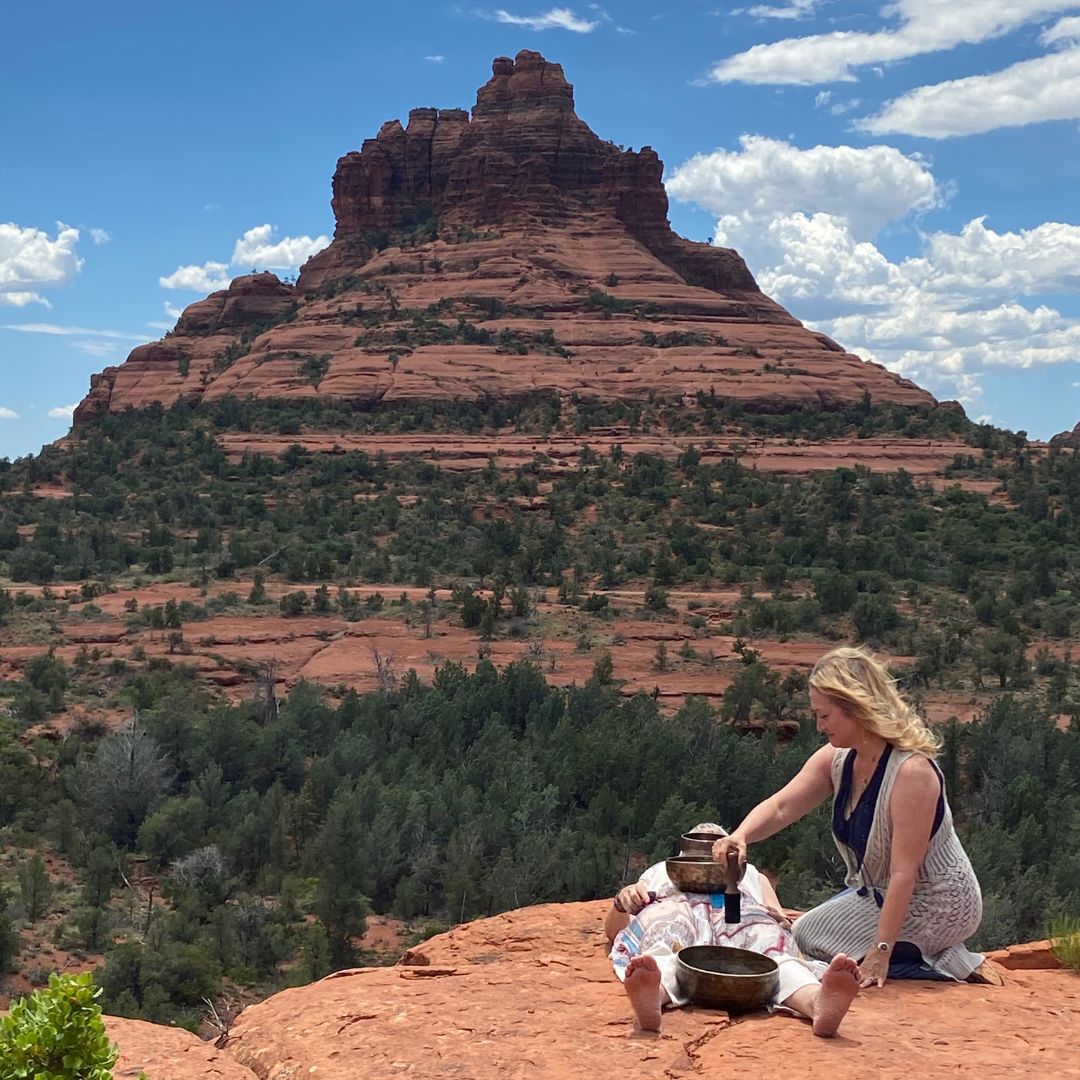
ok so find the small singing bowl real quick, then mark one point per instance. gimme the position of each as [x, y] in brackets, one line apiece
[692, 873]
[698, 843]
[725, 978]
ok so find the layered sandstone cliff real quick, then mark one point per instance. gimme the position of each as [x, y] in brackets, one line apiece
[493, 255]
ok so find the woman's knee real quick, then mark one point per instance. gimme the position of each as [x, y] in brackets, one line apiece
[807, 931]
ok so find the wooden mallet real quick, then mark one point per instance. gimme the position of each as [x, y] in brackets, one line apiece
[732, 899]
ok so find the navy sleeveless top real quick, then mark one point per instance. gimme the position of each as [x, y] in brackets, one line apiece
[854, 831]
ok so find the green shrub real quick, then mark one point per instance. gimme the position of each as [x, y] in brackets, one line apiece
[1065, 942]
[57, 1034]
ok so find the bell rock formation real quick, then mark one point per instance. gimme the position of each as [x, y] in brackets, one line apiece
[491, 255]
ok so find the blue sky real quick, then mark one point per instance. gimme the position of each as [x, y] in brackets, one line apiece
[903, 176]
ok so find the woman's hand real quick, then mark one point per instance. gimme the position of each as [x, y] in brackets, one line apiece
[632, 898]
[874, 969]
[730, 843]
[779, 917]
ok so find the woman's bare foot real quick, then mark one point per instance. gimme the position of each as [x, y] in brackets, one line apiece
[839, 985]
[643, 990]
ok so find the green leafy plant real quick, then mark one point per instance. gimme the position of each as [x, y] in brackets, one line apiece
[1065, 942]
[57, 1034]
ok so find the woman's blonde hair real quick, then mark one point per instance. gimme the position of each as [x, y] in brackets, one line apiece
[861, 686]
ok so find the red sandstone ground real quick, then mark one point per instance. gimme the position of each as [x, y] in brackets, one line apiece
[530, 993]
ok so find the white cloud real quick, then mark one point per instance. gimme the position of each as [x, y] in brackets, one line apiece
[1032, 262]
[173, 311]
[30, 260]
[257, 247]
[940, 318]
[102, 350]
[159, 325]
[100, 236]
[822, 98]
[796, 9]
[555, 19]
[8, 414]
[943, 316]
[925, 26]
[209, 277]
[63, 412]
[1029, 92]
[21, 299]
[1064, 30]
[767, 178]
[67, 331]
[816, 259]
[435, 59]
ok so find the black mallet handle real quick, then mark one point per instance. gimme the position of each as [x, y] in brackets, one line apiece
[732, 899]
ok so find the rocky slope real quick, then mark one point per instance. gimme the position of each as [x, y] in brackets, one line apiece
[530, 993]
[488, 257]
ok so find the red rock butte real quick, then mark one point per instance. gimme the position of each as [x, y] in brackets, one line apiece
[492, 256]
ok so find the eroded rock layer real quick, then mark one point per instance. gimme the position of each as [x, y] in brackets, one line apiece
[490, 256]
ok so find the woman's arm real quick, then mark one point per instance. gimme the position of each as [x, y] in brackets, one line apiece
[626, 903]
[912, 809]
[810, 787]
[772, 902]
[768, 893]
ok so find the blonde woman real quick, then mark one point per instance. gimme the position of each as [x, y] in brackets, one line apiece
[910, 882]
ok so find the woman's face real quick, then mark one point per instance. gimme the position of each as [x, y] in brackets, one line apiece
[838, 726]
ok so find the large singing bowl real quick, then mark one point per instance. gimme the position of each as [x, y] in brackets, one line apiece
[725, 978]
[696, 873]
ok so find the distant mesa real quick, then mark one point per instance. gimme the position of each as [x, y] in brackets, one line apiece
[491, 255]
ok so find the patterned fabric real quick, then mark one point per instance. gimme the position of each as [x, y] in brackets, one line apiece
[677, 920]
[945, 908]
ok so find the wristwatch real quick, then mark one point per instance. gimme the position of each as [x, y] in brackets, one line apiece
[883, 947]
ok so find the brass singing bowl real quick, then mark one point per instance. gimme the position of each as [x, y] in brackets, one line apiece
[692, 873]
[698, 843]
[726, 978]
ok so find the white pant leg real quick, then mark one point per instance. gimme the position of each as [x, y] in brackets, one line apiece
[794, 975]
[667, 962]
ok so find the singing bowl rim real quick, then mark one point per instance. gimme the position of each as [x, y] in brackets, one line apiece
[691, 842]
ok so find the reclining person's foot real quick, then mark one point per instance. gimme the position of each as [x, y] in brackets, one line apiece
[643, 990]
[839, 985]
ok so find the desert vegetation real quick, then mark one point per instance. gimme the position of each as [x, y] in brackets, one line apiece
[191, 838]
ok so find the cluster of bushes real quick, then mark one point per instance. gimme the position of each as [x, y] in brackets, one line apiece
[481, 792]
[841, 552]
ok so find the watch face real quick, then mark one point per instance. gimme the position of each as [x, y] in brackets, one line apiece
[883, 946]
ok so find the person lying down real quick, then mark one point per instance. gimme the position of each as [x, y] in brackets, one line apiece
[651, 920]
